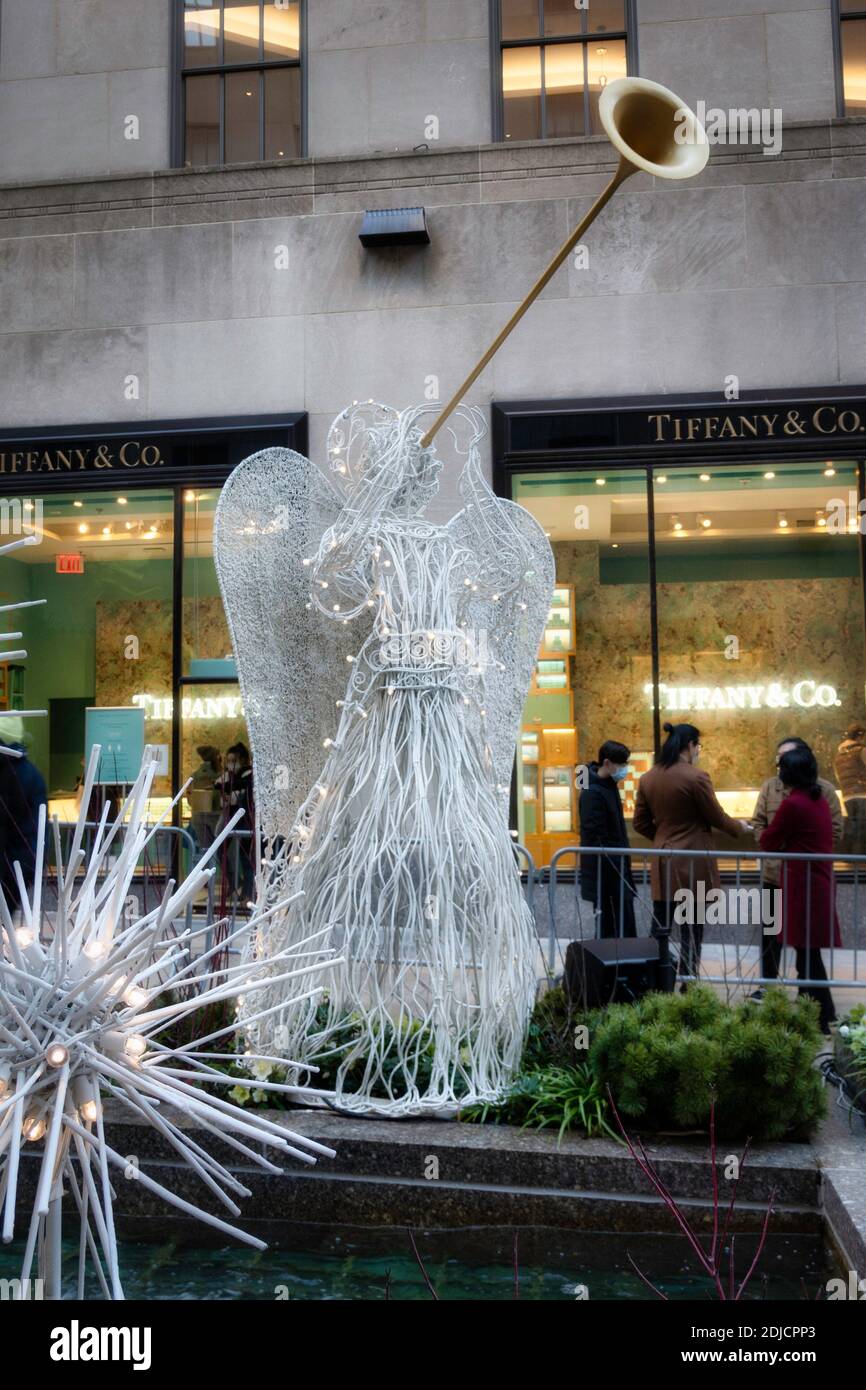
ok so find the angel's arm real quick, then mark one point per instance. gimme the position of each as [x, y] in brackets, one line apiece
[502, 553]
[344, 570]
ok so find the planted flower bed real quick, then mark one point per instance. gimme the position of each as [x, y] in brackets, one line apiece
[851, 1057]
[664, 1059]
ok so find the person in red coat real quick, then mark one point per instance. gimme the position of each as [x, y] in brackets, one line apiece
[803, 825]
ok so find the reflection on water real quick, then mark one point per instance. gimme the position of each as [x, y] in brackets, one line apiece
[464, 1264]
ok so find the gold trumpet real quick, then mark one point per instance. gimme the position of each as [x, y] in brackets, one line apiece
[652, 130]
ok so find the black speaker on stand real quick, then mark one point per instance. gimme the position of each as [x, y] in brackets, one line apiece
[615, 970]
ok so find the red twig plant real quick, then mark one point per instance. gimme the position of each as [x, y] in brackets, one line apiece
[711, 1261]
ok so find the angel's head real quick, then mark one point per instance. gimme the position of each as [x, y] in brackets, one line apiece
[372, 445]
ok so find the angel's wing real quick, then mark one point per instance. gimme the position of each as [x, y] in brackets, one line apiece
[509, 609]
[291, 660]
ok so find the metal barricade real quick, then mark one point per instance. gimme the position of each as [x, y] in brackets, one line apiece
[745, 905]
[154, 868]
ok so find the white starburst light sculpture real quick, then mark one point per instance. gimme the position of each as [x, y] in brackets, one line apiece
[80, 1020]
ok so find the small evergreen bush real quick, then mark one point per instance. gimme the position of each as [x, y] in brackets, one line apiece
[667, 1055]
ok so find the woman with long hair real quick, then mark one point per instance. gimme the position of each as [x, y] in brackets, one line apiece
[235, 787]
[803, 825]
[677, 809]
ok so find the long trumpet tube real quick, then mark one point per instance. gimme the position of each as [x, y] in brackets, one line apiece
[624, 169]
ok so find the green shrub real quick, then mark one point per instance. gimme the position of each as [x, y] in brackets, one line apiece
[667, 1055]
[851, 1056]
[550, 1038]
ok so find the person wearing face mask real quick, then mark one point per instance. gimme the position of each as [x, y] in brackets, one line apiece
[606, 879]
[676, 808]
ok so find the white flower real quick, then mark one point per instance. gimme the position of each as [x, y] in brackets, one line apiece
[262, 1070]
[844, 1030]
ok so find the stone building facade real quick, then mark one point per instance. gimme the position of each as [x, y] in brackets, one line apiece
[114, 265]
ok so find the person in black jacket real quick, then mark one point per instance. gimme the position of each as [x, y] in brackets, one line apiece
[606, 880]
[22, 792]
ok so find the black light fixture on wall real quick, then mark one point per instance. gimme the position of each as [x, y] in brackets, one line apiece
[394, 227]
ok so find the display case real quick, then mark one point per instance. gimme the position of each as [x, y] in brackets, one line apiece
[559, 629]
[550, 675]
[529, 784]
[640, 761]
[558, 799]
[548, 807]
[559, 745]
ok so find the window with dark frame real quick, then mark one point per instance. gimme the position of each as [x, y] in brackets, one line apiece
[240, 78]
[852, 57]
[556, 57]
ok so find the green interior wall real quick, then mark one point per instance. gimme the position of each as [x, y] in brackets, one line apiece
[60, 636]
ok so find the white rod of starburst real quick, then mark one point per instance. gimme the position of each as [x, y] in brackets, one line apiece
[77, 1021]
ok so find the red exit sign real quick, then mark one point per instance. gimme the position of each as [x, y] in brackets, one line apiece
[69, 564]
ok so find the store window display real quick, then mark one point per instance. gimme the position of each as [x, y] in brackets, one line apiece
[758, 635]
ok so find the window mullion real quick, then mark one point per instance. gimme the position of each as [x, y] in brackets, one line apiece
[261, 113]
[222, 119]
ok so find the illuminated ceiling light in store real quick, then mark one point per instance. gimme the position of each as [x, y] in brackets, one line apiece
[822, 521]
[83, 528]
[615, 545]
[189, 496]
[76, 503]
[662, 478]
[769, 475]
[600, 482]
[130, 525]
[106, 530]
[706, 522]
[677, 524]
[783, 522]
[829, 471]
[28, 506]
[705, 477]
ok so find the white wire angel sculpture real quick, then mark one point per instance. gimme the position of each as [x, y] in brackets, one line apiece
[383, 764]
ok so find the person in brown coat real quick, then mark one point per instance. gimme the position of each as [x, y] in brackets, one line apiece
[850, 769]
[677, 809]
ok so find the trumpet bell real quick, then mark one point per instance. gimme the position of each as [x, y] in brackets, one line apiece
[652, 129]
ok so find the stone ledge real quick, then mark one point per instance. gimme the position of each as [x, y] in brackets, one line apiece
[557, 168]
